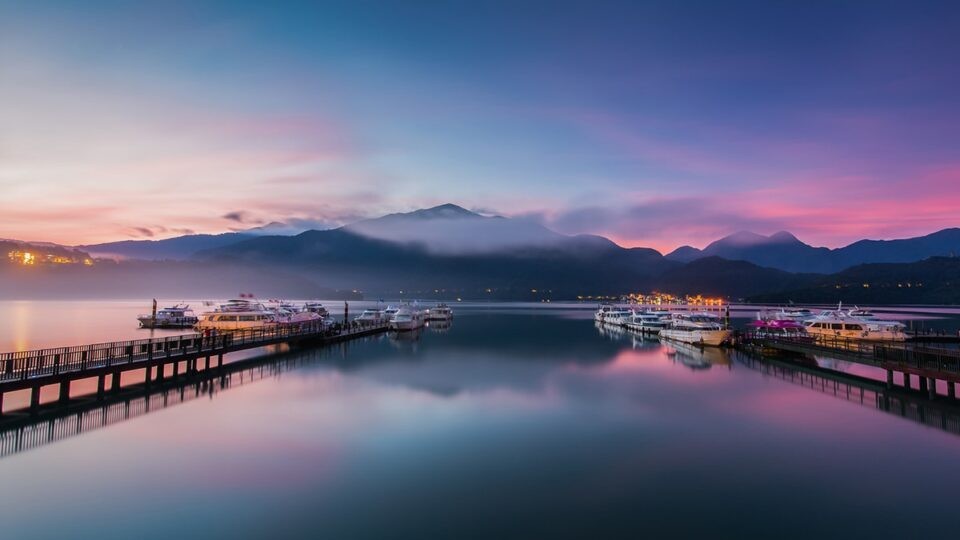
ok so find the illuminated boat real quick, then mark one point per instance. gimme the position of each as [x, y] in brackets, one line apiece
[618, 316]
[440, 312]
[779, 329]
[389, 313]
[696, 328]
[238, 314]
[839, 324]
[648, 321]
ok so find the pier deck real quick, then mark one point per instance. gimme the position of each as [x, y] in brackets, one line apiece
[36, 369]
[929, 364]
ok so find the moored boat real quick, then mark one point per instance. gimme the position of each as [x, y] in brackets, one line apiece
[440, 312]
[696, 328]
[648, 322]
[238, 314]
[370, 316]
[839, 324]
[615, 315]
[779, 329]
[177, 316]
[407, 318]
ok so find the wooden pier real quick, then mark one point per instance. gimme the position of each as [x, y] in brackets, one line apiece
[161, 358]
[927, 364]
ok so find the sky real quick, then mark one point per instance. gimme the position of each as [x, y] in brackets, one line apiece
[653, 123]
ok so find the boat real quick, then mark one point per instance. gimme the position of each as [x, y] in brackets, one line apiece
[839, 324]
[647, 321]
[780, 329]
[316, 307]
[697, 328]
[407, 318]
[608, 314]
[862, 313]
[238, 314]
[178, 316]
[370, 316]
[797, 314]
[389, 313]
[440, 312]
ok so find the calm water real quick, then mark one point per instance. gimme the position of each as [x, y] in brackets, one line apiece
[514, 422]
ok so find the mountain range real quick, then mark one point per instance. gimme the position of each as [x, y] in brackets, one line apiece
[784, 251]
[448, 251]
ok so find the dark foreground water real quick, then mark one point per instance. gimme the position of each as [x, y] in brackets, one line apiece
[513, 423]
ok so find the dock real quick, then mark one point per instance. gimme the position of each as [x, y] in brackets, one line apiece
[159, 358]
[927, 364]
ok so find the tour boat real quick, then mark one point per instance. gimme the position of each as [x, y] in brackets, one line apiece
[647, 321]
[238, 314]
[407, 318]
[797, 314]
[841, 325]
[316, 307]
[779, 328]
[440, 312]
[389, 313]
[862, 313]
[178, 316]
[619, 316]
[696, 328]
[370, 316]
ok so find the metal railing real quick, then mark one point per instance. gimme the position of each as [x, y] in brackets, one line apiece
[24, 365]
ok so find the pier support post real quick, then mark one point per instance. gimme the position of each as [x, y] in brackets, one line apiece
[219, 360]
[889, 378]
[64, 391]
[160, 368]
[115, 382]
[932, 387]
[34, 398]
[1, 403]
[906, 380]
[951, 390]
[923, 384]
[176, 369]
[101, 385]
[206, 364]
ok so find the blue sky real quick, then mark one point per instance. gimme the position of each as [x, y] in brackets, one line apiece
[654, 123]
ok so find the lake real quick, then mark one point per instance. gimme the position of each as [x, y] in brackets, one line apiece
[518, 421]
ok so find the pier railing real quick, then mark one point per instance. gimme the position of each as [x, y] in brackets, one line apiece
[886, 353]
[22, 365]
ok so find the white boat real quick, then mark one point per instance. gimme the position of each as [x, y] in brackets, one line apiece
[370, 316]
[618, 316]
[316, 307]
[407, 318]
[389, 313]
[178, 316]
[839, 324]
[440, 312]
[794, 314]
[696, 328]
[861, 313]
[238, 314]
[646, 321]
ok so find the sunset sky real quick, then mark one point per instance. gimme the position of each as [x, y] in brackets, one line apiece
[653, 123]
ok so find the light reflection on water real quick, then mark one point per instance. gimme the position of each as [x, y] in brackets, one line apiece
[512, 422]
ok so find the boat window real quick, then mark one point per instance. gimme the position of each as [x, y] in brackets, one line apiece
[836, 326]
[854, 327]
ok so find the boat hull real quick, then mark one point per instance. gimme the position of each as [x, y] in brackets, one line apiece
[406, 326]
[713, 338]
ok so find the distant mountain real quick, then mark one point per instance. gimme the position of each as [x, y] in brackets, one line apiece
[415, 252]
[931, 281]
[175, 249]
[737, 279]
[784, 251]
[449, 228]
